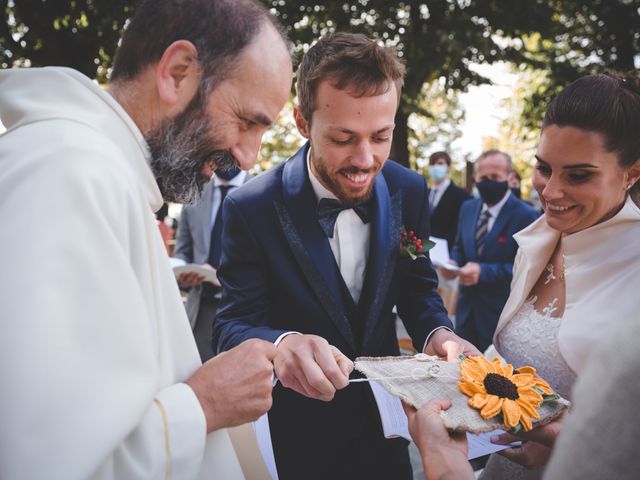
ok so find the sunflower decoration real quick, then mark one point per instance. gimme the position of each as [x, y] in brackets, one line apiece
[497, 389]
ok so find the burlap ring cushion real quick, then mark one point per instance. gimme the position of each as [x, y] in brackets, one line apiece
[420, 378]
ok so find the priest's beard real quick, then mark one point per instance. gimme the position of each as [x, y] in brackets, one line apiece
[180, 147]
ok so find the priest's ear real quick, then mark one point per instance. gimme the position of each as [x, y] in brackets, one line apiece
[303, 125]
[178, 76]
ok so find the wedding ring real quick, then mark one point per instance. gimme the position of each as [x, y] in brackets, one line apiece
[422, 357]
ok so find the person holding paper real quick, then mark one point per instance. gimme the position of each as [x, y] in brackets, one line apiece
[311, 261]
[445, 199]
[485, 249]
[101, 377]
[198, 240]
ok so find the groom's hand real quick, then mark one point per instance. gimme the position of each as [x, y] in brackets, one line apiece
[445, 343]
[234, 387]
[311, 367]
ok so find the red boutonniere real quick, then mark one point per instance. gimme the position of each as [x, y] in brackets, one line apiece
[412, 246]
[502, 239]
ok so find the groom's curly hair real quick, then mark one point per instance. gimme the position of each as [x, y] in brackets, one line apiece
[350, 62]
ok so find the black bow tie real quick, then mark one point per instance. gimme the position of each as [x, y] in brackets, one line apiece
[329, 209]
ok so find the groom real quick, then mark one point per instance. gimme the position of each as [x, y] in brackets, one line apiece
[311, 261]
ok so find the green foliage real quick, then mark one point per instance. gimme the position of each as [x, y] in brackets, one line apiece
[280, 142]
[581, 38]
[435, 124]
[515, 135]
[82, 34]
[438, 40]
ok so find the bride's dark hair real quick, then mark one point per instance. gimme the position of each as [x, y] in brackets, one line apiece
[608, 104]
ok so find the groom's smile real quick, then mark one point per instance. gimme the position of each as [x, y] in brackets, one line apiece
[350, 138]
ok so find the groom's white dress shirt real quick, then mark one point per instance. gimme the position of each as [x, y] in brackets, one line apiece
[350, 241]
[350, 246]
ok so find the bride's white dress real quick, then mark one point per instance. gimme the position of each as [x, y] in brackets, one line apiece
[531, 338]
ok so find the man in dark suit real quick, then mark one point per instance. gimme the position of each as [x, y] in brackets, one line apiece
[311, 261]
[485, 248]
[198, 240]
[445, 198]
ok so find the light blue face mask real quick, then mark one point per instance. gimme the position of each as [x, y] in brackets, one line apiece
[438, 172]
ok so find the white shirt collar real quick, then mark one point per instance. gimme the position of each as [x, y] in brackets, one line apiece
[234, 182]
[443, 186]
[320, 190]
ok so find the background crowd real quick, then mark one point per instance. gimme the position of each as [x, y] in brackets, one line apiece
[294, 267]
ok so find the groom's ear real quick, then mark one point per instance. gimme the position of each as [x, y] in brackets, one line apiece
[303, 126]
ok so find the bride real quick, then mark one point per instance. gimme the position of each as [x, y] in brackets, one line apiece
[576, 271]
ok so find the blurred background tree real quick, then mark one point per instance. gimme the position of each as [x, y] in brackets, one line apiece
[438, 40]
[582, 38]
[549, 42]
[81, 34]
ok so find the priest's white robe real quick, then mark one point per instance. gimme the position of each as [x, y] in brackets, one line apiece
[95, 341]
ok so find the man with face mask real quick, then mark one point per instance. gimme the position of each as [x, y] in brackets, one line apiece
[445, 198]
[101, 375]
[198, 240]
[485, 248]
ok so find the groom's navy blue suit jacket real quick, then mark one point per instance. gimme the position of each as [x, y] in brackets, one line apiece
[279, 274]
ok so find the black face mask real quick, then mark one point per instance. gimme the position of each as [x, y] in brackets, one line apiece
[491, 191]
[516, 192]
[228, 173]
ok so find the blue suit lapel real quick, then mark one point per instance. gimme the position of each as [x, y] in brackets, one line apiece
[308, 242]
[386, 228]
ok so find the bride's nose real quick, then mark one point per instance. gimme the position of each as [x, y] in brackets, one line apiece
[552, 190]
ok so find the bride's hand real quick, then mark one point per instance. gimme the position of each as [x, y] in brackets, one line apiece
[545, 434]
[530, 454]
[536, 447]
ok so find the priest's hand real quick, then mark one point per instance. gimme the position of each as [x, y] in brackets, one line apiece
[234, 387]
[311, 367]
[445, 343]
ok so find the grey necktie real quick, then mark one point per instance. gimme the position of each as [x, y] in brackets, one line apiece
[432, 197]
[481, 230]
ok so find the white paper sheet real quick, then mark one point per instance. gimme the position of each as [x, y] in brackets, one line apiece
[263, 435]
[180, 266]
[394, 424]
[394, 420]
[480, 445]
[439, 254]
